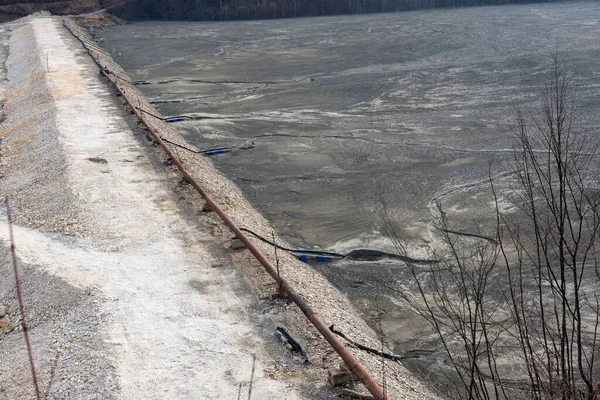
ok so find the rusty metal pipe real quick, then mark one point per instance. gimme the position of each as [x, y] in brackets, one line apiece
[318, 323]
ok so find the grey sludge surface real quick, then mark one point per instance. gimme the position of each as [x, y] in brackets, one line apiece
[415, 103]
[343, 110]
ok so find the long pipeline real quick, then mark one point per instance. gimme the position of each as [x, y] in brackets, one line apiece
[352, 363]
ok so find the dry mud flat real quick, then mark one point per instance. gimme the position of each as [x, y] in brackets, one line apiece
[132, 292]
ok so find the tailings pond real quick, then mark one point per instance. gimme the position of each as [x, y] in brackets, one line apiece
[327, 115]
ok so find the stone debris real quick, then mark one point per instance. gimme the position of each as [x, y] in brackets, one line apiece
[352, 394]
[6, 327]
[340, 375]
[237, 244]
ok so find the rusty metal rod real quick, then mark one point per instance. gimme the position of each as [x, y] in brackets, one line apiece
[24, 323]
[337, 345]
[252, 377]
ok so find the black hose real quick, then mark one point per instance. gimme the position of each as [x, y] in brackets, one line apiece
[176, 118]
[295, 346]
[119, 77]
[354, 255]
[315, 252]
[135, 83]
[380, 353]
[151, 114]
[215, 150]
[165, 101]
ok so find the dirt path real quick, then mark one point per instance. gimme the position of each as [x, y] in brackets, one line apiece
[177, 329]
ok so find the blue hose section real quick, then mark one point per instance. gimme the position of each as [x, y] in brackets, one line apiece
[303, 255]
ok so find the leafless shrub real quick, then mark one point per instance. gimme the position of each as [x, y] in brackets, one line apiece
[543, 313]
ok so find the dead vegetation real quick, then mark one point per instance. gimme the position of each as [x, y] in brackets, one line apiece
[516, 312]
